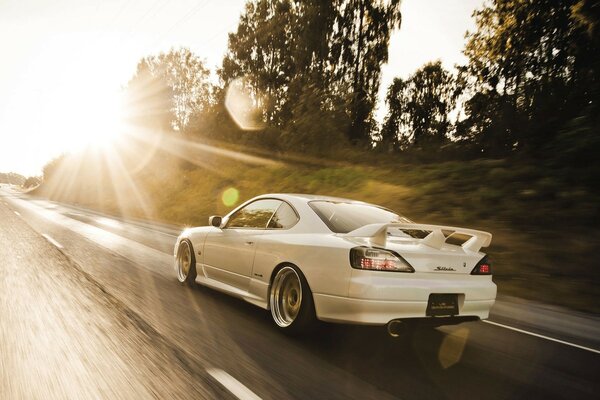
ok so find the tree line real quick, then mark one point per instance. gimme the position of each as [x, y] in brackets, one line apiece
[312, 70]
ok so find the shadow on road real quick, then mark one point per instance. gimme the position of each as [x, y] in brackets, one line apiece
[430, 364]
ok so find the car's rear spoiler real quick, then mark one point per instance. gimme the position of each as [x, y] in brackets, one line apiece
[376, 235]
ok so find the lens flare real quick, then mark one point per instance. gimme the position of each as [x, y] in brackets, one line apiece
[243, 106]
[230, 196]
[452, 348]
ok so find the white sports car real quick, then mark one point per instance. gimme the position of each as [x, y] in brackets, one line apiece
[306, 257]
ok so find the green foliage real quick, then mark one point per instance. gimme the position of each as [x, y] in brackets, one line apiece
[167, 90]
[188, 79]
[577, 144]
[150, 102]
[336, 49]
[419, 108]
[530, 65]
[313, 68]
[530, 88]
[261, 52]
[317, 123]
[359, 48]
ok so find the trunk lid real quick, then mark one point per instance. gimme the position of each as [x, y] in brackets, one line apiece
[449, 259]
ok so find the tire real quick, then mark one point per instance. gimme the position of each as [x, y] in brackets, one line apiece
[186, 263]
[291, 301]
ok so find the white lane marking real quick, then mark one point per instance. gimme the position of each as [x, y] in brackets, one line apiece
[233, 385]
[17, 213]
[52, 241]
[542, 336]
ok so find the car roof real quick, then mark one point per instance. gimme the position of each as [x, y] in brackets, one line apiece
[310, 197]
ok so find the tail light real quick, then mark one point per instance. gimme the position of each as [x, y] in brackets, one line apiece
[483, 267]
[378, 260]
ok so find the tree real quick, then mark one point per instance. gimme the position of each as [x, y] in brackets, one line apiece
[391, 136]
[314, 113]
[586, 17]
[54, 168]
[419, 108]
[149, 99]
[532, 61]
[168, 89]
[359, 47]
[188, 79]
[261, 53]
[283, 47]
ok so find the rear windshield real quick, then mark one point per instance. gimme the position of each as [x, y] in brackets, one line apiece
[343, 217]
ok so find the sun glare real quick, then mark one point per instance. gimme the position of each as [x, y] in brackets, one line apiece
[61, 103]
[83, 118]
[96, 122]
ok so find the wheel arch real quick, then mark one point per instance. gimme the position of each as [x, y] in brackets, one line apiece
[189, 242]
[274, 272]
[190, 275]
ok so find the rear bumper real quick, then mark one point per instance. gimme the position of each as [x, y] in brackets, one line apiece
[377, 298]
[380, 312]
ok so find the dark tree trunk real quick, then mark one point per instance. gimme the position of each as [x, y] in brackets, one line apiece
[356, 133]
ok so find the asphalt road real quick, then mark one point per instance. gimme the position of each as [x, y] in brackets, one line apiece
[90, 308]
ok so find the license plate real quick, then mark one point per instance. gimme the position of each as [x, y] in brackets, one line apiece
[442, 305]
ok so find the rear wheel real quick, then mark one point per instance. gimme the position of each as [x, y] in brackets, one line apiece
[291, 301]
[186, 263]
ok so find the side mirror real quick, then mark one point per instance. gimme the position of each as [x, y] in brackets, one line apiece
[215, 221]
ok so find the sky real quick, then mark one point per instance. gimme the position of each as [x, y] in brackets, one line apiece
[64, 62]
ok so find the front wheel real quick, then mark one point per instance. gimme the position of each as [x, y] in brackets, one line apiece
[186, 263]
[291, 301]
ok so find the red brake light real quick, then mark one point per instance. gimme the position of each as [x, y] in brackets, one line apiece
[378, 260]
[483, 267]
[369, 263]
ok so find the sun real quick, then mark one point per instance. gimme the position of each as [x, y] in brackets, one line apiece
[65, 101]
[77, 118]
[98, 121]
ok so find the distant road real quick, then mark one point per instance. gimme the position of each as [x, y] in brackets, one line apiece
[90, 308]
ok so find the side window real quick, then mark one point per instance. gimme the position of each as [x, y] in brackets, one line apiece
[255, 215]
[284, 218]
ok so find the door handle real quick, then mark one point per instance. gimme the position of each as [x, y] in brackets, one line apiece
[249, 243]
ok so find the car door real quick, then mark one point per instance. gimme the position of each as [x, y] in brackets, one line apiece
[229, 253]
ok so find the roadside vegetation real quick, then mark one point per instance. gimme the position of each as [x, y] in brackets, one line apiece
[11, 178]
[507, 143]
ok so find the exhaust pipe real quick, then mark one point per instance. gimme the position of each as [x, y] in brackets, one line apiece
[395, 328]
